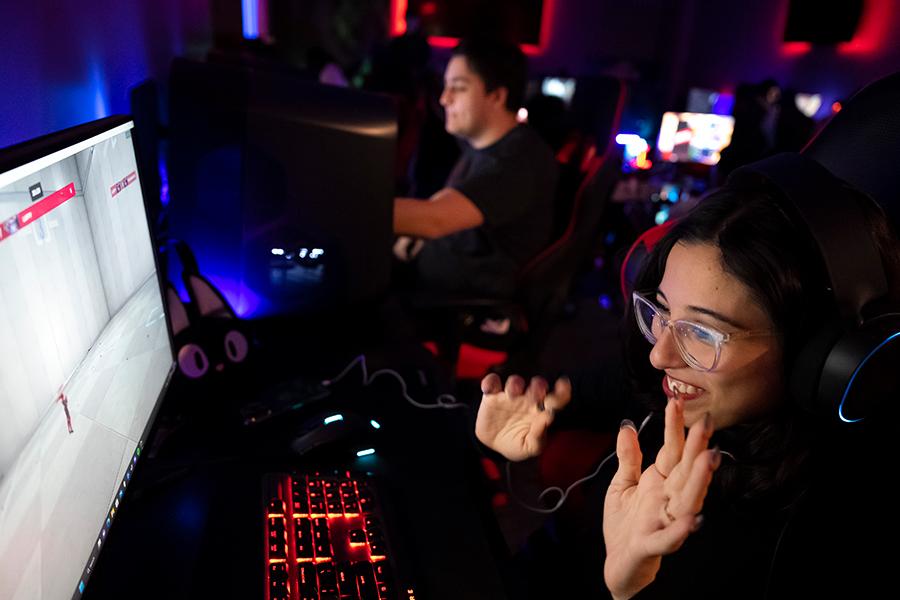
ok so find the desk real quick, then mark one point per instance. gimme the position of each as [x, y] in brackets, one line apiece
[193, 526]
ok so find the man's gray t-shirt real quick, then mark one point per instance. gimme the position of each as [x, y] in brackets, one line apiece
[512, 182]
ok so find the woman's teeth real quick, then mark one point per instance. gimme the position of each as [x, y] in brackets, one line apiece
[681, 387]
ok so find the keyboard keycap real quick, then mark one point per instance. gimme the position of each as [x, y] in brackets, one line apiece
[306, 578]
[303, 540]
[357, 536]
[276, 506]
[278, 581]
[365, 580]
[276, 538]
[328, 586]
[346, 581]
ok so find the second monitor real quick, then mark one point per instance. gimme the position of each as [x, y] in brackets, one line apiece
[282, 187]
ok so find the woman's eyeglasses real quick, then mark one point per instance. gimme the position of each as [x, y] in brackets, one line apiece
[699, 345]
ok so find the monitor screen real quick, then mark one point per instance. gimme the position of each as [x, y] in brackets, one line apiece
[560, 87]
[701, 100]
[694, 137]
[85, 351]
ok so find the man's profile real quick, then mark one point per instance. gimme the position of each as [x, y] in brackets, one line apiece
[495, 211]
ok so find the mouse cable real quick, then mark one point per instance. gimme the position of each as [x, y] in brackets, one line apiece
[442, 401]
[563, 494]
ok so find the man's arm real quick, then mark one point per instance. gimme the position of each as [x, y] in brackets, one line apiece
[446, 212]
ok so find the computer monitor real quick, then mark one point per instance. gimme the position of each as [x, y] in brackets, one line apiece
[559, 87]
[701, 100]
[85, 351]
[282, 187]
[694, 137]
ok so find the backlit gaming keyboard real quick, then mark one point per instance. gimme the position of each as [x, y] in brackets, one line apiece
[325, 540]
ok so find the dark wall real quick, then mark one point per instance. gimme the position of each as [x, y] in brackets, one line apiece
[715, 44]
[64, 62]
[733, 42]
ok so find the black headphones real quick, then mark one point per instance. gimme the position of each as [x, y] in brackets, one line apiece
[853, 360]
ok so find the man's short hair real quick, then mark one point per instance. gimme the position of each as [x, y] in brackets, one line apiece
[499, 64]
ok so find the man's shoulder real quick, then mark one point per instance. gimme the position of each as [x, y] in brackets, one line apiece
[523, 143]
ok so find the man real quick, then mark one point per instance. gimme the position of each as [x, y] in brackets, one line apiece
[495, 212]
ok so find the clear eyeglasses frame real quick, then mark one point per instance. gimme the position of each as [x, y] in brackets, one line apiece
[699, 345]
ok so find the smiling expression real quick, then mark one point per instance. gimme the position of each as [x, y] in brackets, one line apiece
[748, 380]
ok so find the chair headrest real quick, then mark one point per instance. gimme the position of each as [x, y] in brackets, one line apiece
[861, 143]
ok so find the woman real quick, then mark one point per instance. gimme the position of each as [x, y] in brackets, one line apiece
[726, 300]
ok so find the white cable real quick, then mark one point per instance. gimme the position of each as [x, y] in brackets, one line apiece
[563, 493]
[442, 401]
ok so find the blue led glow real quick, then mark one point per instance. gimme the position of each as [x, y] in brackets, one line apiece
[375, 424]
[333, 418]
[662, 216]
[250, 17]
[366, 452]
[855, 373]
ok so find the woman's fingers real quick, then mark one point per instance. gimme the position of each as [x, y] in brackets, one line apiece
[629, 454]
[537, 391]
[673, 444]
[690, 500]
[562, 393]
[697, 441]
[491, 384]
[515, 386]
[670, 538]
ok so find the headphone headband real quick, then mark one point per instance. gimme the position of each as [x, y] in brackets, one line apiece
[830, 210]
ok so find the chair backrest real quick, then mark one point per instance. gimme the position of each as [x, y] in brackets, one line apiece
[544, 282]
[634, 259]
[861, 143]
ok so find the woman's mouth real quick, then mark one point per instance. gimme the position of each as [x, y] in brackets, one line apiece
[674, 388]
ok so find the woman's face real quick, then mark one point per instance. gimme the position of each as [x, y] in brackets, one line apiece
[747, 382]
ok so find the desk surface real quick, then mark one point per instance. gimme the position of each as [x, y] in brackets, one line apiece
[193, 526]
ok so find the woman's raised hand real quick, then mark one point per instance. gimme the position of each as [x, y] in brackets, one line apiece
[648, 515]
[513, 419]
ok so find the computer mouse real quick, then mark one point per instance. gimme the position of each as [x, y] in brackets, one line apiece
[339, 434]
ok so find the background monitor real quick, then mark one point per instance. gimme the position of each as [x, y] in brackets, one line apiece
[694, 137]
[85, 351]
[559, 87]
[701, 100]
[808, 104]
[282, 187]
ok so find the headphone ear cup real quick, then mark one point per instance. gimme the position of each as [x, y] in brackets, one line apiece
[862, 368]
[806, 371]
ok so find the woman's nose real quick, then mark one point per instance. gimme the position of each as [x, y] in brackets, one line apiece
[665, 354]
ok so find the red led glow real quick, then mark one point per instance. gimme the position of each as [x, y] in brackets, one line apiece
[872, 29]
[795, 48]
[398, 17]
[398, 25]
[428, 9]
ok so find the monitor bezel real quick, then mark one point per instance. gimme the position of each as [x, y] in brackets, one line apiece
[29, 151]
